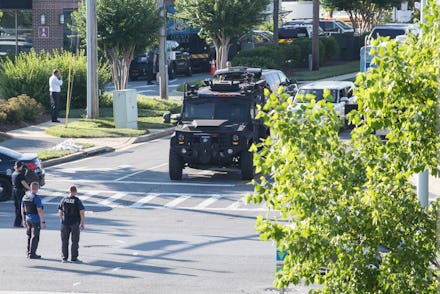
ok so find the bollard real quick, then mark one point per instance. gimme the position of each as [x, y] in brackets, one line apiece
[310, 62]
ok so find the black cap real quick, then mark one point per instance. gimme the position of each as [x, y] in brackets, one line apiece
[19, 163]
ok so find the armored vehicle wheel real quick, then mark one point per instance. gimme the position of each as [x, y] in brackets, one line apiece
[175, 166]
[5, 189]
[247, 165]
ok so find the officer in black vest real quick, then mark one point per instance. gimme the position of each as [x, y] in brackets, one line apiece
[32, 213]
[71, 211]
[19, 187]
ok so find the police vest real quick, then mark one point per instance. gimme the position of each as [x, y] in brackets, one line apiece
[29, 203]
[70, 208]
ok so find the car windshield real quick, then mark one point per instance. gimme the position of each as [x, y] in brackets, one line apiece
[304, 95]
[344, 25]
[392, 33]
[9, 152]
[216, 109]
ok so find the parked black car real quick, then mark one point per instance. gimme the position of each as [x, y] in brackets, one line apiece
[34, 171]
[146, 65]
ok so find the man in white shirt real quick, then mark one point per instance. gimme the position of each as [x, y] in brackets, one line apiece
[55, 82]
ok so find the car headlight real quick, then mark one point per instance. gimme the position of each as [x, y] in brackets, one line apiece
[235, 139]
[181, 139]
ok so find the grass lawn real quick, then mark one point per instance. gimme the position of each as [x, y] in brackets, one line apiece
[52, 153]
[150, 111]
[326, 71]
[93, 128]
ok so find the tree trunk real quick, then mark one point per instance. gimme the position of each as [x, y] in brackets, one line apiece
[120, 62]
[221, 43]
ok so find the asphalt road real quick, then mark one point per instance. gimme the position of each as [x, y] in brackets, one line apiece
[153, 90]
[144, 233]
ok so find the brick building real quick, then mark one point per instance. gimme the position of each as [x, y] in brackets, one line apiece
[38, 24]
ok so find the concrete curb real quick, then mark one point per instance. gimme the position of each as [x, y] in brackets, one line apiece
[153, 136]
[78, 155]
[99, 150]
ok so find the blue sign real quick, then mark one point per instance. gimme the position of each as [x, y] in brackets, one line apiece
[280, 259]
[281, 255]
[366, 58]
[178, 26]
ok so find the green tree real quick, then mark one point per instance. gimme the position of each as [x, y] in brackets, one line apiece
[341, 202]
[364, 14]
[222, 20]
[124, 26]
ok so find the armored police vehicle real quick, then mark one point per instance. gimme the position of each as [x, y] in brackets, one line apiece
[218, 124]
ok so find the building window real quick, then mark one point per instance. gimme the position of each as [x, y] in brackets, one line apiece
[71, 39]
[15, 31]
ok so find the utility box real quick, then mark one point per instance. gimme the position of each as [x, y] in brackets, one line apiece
[125, 112]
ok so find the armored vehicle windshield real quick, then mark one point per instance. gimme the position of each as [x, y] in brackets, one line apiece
[225, 108]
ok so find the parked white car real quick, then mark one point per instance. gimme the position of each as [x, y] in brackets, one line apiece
[340, 91]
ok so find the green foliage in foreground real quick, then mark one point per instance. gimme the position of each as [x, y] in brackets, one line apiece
[341, 201]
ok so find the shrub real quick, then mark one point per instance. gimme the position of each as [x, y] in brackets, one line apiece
[29, 73]
[20, 108]
[287, 55]
[331, 48]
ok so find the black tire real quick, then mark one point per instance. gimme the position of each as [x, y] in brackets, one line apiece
[172, 72]
[5, 189]
[247, 165]
[175, 165]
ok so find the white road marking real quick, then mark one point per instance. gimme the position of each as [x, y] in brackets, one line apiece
[144, 200]
[147, 183]
[108, 201]
[235, 205]
[208, 202]
[177, 201]
[88, 169]
[141, 171]
[94, 198]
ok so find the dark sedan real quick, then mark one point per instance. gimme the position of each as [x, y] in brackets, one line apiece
[34, 171]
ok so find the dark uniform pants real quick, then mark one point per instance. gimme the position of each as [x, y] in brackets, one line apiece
[33, 234]
[66, 231]
[54, 104]
[18, 196]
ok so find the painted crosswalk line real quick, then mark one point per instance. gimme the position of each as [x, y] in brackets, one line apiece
[164, 200]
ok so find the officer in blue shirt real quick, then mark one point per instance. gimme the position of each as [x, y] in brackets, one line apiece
[33, 217]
